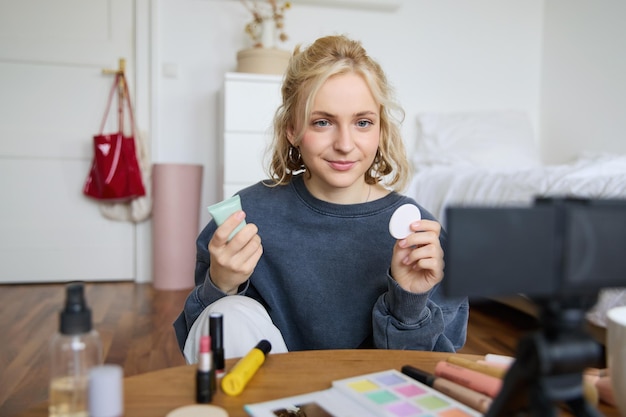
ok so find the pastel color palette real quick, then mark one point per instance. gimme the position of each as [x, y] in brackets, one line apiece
[392, 394]
[432, 402]
[389, 379]
[403, 409]
[381, 397]
[410, 390]
[363, 386]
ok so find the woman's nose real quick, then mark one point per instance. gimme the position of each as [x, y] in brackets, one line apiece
[343, 140]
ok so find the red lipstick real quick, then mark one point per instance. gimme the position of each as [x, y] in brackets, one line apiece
[205, 375]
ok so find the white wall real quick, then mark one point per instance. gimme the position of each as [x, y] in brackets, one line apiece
[584, 78]
[440, 55]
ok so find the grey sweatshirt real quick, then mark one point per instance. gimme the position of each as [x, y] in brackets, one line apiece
[324, 276]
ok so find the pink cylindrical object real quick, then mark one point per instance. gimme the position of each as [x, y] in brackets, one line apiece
[176, 191]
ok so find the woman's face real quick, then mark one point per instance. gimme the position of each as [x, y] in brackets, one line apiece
[341, 139]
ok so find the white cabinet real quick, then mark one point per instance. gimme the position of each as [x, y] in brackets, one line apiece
[249, 102]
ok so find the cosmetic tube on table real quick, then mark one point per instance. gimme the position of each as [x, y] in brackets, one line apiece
[235, 381]
[476, 400]
[483, 368]
[205, 375]
[485, 384]
[216, 331]
[501, 359]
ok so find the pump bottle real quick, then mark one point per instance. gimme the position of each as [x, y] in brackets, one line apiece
[74, 350]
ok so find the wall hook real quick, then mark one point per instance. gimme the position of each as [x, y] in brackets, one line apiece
[121, 68]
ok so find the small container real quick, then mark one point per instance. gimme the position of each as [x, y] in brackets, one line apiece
[106, 391]
[74, 350]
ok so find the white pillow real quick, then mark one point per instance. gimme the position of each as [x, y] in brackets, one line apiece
[486, 139]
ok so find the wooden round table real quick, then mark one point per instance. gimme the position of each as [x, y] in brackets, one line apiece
[155, 394]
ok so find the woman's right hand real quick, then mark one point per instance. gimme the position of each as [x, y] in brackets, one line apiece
[232, 262]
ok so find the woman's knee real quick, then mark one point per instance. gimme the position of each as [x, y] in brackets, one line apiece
[245, 323]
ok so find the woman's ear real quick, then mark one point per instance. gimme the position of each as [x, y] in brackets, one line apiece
[291, 137]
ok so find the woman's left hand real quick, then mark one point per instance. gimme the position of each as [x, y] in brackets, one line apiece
[417, 261]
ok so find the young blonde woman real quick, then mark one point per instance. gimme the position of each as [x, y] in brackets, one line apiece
[315, 267]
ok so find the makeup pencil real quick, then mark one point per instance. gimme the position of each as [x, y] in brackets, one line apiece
[477, 401]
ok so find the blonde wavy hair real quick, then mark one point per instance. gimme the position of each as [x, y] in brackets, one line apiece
[307, 71]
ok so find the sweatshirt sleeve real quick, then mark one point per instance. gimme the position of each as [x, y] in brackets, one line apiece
[205, 291]
[427, 321]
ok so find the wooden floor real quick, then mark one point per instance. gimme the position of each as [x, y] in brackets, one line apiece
[135, 324]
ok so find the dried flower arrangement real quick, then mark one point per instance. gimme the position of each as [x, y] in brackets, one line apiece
[263, 11]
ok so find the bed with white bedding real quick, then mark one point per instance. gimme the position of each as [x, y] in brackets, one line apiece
[593, 176]
[492, 159]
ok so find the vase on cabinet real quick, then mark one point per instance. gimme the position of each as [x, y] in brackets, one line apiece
[264, 57]
[263, 60]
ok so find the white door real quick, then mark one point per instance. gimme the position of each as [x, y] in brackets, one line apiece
[52, 98]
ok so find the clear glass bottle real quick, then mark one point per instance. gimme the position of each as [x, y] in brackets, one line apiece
[74, 350]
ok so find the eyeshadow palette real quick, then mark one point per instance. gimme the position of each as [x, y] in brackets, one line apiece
[393, 394]
[381, 394]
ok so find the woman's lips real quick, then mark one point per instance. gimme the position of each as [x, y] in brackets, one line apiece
[341, 165]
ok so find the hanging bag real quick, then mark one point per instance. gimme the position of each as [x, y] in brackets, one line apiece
[140, 208]
[115, 175]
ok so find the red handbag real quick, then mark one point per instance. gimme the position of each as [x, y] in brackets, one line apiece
[115, 175]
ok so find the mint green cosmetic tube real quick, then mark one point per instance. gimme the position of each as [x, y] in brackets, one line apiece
[222, 210]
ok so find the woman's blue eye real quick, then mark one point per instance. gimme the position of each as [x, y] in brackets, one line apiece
[321, 123]
[364, 123]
